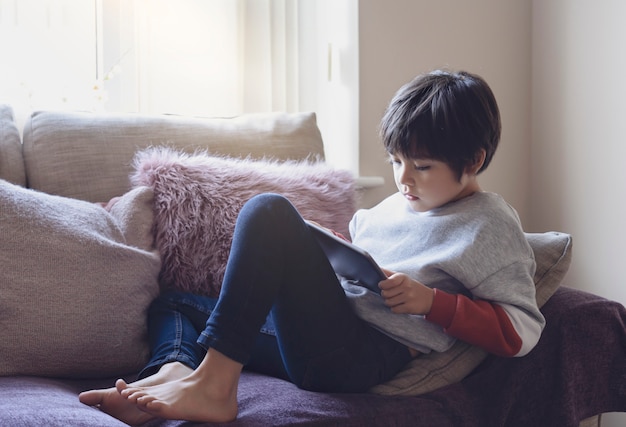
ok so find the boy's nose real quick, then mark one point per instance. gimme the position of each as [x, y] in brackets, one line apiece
[404, 177]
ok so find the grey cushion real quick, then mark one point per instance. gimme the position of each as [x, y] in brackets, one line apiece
[75, 284]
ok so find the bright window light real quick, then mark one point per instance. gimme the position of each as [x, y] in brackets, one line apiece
[192, 57]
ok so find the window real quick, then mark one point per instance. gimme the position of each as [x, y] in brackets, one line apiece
[192, 57]
[49, 60]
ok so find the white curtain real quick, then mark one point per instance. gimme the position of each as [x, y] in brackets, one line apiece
[199, 57]
[48, 55]
[192, 57]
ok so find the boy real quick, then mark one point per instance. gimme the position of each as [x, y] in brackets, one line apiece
[457, 261]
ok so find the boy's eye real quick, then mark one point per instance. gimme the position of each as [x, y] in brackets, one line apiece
[422, 168]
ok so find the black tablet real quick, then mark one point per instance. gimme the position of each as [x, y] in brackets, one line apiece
[349, 260]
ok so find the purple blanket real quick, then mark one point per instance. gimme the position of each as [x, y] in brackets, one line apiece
[577, 370]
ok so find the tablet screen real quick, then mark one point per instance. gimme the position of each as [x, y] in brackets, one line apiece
[349, 260]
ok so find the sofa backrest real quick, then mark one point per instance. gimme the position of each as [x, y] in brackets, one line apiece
[89, 156]
[11, 163]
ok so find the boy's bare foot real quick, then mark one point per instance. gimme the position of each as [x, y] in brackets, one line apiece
[206, 395]
[111, 402]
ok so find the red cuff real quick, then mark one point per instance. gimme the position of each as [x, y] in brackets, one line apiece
[443, 309]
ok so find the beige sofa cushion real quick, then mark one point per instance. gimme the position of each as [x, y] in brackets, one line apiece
[88, 156]
[75, 284]
[11, 162]
[553, 254]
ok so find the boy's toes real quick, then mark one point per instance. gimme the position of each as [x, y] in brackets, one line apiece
[121, 385]
[91, 397]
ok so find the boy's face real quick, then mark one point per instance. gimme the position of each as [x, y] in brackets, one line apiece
[428, 184]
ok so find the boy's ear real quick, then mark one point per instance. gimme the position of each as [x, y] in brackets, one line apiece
[478, 162]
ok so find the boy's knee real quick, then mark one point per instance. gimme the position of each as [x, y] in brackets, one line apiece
[268, 201]
[268, 208]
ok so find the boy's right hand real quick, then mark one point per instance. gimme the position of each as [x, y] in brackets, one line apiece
[405, 295]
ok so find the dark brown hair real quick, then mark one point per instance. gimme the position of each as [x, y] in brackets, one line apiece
[445, 116]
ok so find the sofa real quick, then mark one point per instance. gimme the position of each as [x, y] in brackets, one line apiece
[77, 277]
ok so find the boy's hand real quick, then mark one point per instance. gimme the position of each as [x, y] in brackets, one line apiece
[405, 295]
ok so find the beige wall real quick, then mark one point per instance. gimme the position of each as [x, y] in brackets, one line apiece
[578, 177]
[578, 173]
[399, 39]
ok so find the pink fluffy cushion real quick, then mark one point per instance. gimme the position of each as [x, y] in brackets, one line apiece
[197, 199]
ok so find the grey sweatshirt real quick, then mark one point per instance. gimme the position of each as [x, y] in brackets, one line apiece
[474, 247]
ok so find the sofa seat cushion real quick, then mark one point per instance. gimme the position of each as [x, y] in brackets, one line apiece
[198, 197]
[75, 284]
[36, 401]
[512, 392]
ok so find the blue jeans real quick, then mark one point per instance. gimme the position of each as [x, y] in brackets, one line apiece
[281, 311]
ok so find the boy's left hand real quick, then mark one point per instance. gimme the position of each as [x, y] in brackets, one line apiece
[405, 295]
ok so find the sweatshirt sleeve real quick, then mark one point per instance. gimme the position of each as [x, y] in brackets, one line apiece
[485, 324]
